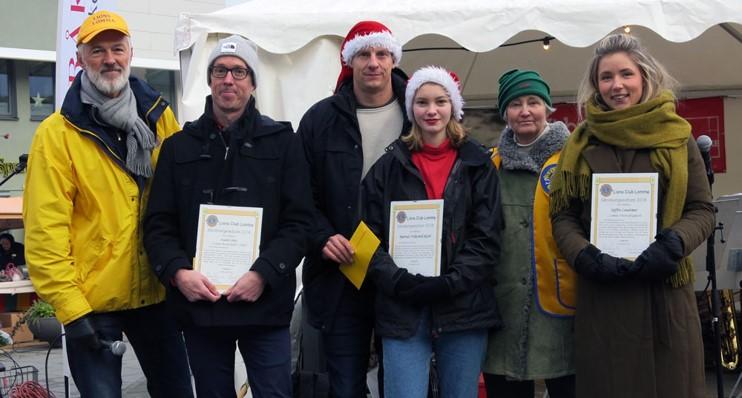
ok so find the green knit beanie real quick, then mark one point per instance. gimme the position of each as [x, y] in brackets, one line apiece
[515, 83]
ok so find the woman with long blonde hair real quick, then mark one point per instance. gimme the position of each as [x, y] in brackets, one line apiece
[637, 331]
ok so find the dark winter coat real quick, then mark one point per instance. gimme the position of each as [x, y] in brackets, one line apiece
[471, 240]
[638, 338]
[332, 144]
[264, 167]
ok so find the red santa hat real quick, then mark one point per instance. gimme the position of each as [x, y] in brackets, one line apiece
[363, 35]
[438, 75]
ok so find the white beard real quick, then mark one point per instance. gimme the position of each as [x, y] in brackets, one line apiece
[108, 87]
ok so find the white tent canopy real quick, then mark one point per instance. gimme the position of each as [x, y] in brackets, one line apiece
[299, 42]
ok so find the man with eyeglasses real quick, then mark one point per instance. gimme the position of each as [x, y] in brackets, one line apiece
[89, 174]
[232, 156]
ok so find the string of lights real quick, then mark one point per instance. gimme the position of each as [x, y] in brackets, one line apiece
[545, 42]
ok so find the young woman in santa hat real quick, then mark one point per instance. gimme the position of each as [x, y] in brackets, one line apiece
[447, 315]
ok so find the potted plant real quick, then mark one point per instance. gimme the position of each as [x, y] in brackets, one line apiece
[42, 323]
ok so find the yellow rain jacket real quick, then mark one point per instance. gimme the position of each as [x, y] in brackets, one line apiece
[82, 211]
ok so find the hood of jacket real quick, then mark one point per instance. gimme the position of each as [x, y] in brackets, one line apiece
[150, 104]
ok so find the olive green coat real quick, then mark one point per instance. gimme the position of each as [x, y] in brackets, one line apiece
[638, 338]
[531, 345]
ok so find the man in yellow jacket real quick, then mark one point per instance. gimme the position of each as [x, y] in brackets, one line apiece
[88, 180]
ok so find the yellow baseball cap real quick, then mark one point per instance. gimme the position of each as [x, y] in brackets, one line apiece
[99, 22]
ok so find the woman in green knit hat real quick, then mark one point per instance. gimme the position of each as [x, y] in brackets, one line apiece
[535, 286]
[637, 330]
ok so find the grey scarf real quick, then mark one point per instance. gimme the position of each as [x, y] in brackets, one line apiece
[121, 112]
[552, 141]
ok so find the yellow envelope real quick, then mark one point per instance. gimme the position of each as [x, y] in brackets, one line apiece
[364, 243]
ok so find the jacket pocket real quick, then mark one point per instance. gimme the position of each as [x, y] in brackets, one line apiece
[261, 162]
[566, 289]
[343, 162]
[92, 257]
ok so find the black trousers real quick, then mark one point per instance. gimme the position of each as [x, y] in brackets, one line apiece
[157, 343]
[265, 350]
[347, 345]
[499, 386]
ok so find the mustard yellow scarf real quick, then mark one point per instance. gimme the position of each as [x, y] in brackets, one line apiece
[652, 124]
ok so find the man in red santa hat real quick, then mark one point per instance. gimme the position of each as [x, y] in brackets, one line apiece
[343, 136]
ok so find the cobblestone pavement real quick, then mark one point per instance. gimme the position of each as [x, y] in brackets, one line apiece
[134, 384]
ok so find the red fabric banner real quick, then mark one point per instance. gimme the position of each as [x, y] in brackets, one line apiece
[706, 116]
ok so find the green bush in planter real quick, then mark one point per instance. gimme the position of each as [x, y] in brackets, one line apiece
[39, 309]
[40, 319]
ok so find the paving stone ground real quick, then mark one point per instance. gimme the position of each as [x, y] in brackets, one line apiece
[134, 384]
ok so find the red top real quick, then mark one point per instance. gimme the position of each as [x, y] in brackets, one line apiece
[435, 165]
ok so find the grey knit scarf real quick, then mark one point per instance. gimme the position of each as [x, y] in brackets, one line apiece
[121, 112]
[552, 141]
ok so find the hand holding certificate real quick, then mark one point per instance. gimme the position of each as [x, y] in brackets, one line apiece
[415, 229]
[624, 212]
[228, 243]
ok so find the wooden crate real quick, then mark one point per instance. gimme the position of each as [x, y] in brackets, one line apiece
[8, 320]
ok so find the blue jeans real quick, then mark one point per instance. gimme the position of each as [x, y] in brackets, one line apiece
[157, 343]
[266, 351]
[459, 357]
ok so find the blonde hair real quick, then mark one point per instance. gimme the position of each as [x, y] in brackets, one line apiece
[655, 77]
[455, 133]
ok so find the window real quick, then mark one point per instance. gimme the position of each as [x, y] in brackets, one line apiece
[41, 89]
[7, 90]
[164, 82]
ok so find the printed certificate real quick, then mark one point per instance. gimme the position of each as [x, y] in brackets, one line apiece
[228, 242]
[624, 212]
[415, 232]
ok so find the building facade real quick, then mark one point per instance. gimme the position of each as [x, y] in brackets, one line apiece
[27, 64]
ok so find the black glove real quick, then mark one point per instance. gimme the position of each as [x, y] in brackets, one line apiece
[406, 281]
[431, 289]
[598, 266]
[660, 260]
[81, 331]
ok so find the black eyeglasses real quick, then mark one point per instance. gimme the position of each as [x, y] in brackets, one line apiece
[220, 72]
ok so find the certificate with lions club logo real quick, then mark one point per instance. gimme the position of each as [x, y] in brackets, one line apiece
[415, 230]
[624, 212]
[228, 242]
